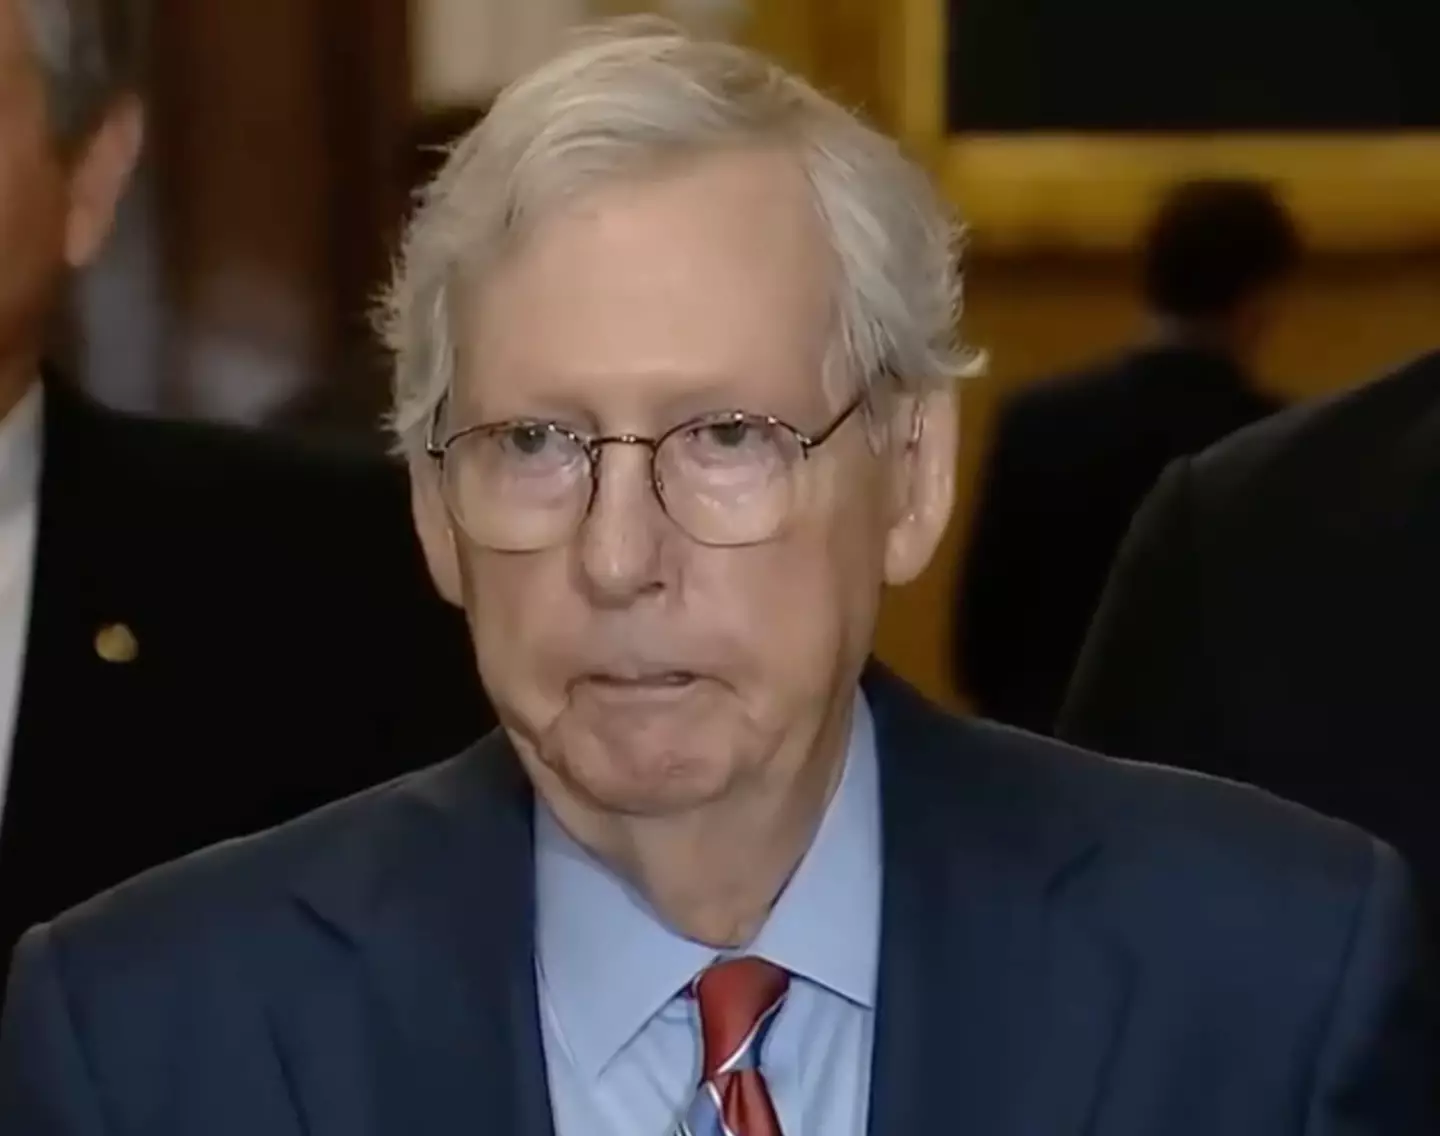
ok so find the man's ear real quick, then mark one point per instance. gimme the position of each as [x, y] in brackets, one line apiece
[99, 174]
[436, 531]
[924, 449]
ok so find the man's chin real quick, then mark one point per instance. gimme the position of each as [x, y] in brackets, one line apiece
[645, 770]
[649, 752]
[646, 780]
[653, 802]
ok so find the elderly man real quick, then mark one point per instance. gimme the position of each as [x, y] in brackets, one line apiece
[174, 597]
[675, 375]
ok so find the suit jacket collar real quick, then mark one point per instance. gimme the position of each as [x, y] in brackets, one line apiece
[80, 564]
[1190, 362]
[995, 1007]
[81, 574]
[80, 582]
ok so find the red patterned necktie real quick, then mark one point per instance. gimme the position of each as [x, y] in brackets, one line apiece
[738, 999]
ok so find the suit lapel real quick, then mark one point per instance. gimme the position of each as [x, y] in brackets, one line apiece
[79, 582]
[997, 1006]
[68, 695]
[444, 1028]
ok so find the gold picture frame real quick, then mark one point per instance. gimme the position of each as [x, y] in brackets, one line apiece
[1092, 193]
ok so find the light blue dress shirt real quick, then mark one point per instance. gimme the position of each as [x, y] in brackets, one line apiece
[622, 1046]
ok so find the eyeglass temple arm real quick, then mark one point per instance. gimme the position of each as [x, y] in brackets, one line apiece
[432, 430]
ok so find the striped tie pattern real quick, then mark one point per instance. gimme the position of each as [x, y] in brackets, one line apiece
[739, 1000]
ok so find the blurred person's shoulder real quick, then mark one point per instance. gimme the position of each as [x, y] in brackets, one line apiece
[1327, 462]
[188, 456]
[1044, 428]
[217, 486]
[1132, 401]
[1147, 373]
[1090, 389]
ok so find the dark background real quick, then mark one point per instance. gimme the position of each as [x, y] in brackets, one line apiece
[1193, 65]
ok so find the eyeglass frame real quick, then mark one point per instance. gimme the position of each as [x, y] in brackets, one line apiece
[592, 445]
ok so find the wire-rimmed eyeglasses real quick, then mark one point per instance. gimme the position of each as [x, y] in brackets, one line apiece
[525, 484]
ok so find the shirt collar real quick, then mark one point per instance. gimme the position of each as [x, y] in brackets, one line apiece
[20, 449]
[608, 964]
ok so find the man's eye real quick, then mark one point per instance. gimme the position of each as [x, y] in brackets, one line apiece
[526, 440]
[732, 439]
[727, 435]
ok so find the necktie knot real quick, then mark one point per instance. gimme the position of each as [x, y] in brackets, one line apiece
[738, 998]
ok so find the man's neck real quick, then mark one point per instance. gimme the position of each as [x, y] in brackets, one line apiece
[1216, 337]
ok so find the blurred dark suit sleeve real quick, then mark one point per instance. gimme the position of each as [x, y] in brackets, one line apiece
[1072, 460]
[1144, 684]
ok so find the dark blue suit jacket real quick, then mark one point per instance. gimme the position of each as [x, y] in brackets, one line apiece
[1070, 946]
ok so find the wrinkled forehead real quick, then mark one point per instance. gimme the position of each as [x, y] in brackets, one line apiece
[706, 285]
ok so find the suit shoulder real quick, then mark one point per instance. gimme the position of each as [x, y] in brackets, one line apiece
[1190, 826]
[1316, 446]
[203, 905]
[1178, 401]
[1151, 816]
[242, 459]
[250, 495]
[1045, 429]
[1091, 390]
[1245, 907]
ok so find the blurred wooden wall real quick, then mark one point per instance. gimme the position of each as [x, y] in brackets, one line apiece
[277, 154]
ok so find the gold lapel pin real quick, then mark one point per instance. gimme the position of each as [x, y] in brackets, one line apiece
[116, 643]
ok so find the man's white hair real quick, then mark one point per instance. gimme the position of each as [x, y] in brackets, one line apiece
[630, 97]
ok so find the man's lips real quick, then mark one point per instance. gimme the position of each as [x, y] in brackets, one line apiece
[643, 680]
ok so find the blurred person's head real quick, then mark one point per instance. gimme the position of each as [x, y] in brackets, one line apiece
[70, 129]
[1217, 256]
[676, 352]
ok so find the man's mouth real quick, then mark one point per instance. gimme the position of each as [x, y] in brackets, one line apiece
[641, 681]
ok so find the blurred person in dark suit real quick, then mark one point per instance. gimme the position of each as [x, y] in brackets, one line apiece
[1073, 457]
[173, 597]
[1274, 615]
[676, 350]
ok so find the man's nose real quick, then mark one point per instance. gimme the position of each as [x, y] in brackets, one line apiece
[622, 538]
